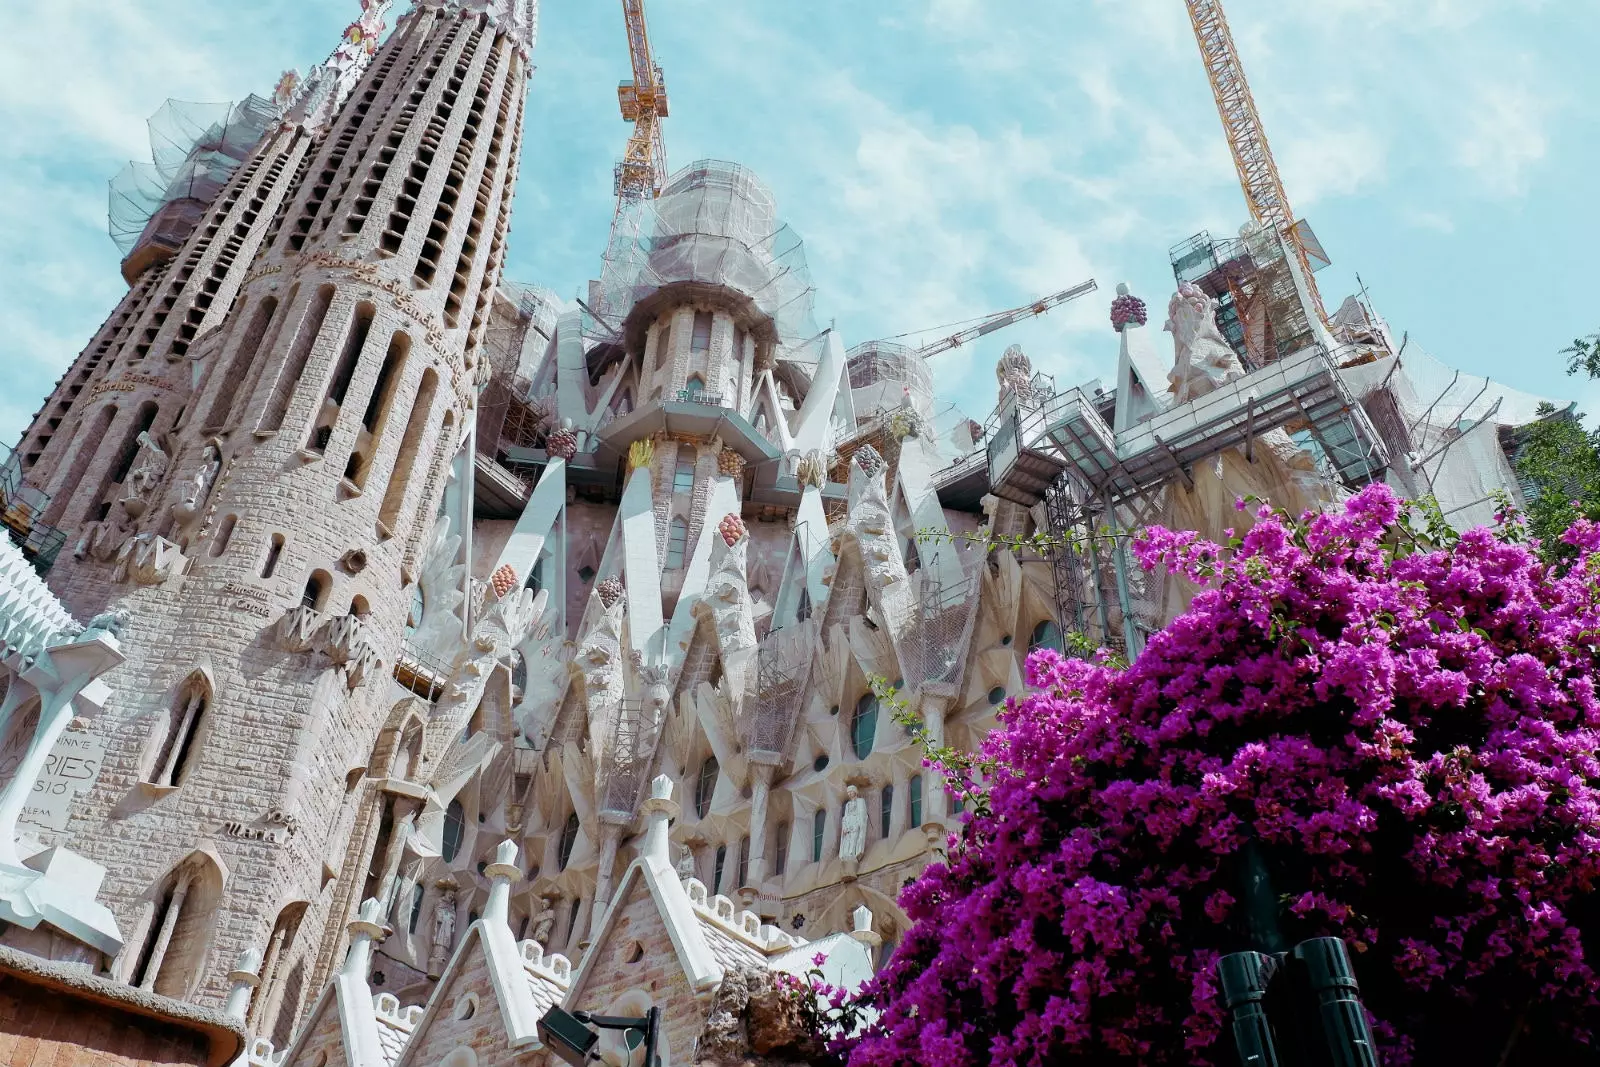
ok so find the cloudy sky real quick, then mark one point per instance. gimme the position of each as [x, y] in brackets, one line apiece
[941, 158]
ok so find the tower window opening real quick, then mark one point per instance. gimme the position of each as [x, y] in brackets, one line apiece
[410, 447]
[742, 873]
[569, 840]
[683, 472]
[417, 892]
[315, 595]
[864, 726]
[455, 828]
[701, 341]
[1046, 635]
[224, 534]
[269, 566]
[706, 786]
[677, 543]
[886, 809]
[780, 858]
[819, 833]
[294, 365]
[694, 387]
[914, 789]
[174, 756]
[228, 379]
[664, 345]
[716, 873]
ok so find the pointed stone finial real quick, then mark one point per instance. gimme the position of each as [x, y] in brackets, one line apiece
[366, 928]
[659, 810]
[244, 977]
[501, 873]
[861, 921]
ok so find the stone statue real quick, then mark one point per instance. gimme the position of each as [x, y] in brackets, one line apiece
[544, 923]
[853, 827]
[1014, 372]
[444, 926]
[110, 623]
[1203, 360]
[204, 478]
[148, 469]
[686, 863]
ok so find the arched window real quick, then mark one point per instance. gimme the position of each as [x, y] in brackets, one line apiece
[243, 357]
[701, 341]
[677, 544]
[177, 929]
[886, 809]
[664, 345]
[706, 786]
[283, 977]
[744, 862]
[819, 833]
[175, 756]
[716, 875]
[1046, 635]
[224, 534]
[683, 472]
[864, 725]
[914, 787]
[315, 595]
[455, 828]
[269, 566]
[569, 838]
[417, 892]
[394, 495]
[780, 844]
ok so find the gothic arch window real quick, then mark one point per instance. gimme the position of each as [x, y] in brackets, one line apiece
[405, 462]
[176, 752]
[664, 346]
[224, 534]
[243, 357]
[379, 403]
[819, 834]
[780, 844]
[718, 867]
[417, 893]
[569, 839]
[455, 828]
[864, 725]
[705, 787]
[701, 341]
[914, 791]
[175, 931]
[283, 978]
[677, 543]
[742, 874]
[886, 808]
[103, 501]
[294, 364]
[88, 444]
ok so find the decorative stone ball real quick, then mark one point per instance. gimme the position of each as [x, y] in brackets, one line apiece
[731, 528]
[730, 463]
[868, 459]
[610, 591]
[1127, 310]
[503, 580]
[562, 442]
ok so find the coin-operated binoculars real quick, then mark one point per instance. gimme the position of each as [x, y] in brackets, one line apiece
[1299, 1008]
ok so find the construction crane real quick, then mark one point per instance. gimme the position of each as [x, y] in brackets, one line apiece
[1247, 137]
[1001, 319]
[642, 171]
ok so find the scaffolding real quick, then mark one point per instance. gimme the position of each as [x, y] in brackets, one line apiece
[783, 672]
[714, 228]
[935, 652]
[21, 506]
[194, 150]
[509, 416]
[630, 751]
[1260, 310]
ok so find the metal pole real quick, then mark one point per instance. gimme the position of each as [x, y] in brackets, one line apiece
[1119, 561]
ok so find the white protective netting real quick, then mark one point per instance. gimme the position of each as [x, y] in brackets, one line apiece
[194, 150]
[715, 223]
[1442, 427]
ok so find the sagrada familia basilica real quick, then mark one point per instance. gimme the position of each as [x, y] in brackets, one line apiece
[393, 652]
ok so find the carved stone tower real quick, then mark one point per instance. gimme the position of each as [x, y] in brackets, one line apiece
[248, 458]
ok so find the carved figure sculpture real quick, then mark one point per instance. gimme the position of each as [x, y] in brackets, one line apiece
[204, 478]
[149, 468]
[685, 863]
[544, 922]
[853, 826]
[444, 927]
[109, 623]
[1015, 374]
[1203, 359]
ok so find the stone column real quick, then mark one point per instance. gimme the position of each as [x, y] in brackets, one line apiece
[610, 838]
[935, 802]
[242, 982]
[168, 923]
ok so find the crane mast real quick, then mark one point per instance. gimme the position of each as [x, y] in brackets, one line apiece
[1247, 137]
[642, 171]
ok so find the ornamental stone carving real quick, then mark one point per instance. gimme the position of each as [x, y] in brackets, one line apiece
[609, 590]
[868, 459]
[730, 463]
[562, 442]
[148, 559]
[641, 454]
[731, 528]
[205, 476]
[544, 922]
[444, 926]
[904, 423]
[1014, 371]
[503, 580]
[1203, 360]
[297, 630]
[853, 827]
[1127, 309]
[812, 470]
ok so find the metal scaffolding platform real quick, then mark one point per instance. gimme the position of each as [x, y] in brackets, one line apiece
[1035, 443]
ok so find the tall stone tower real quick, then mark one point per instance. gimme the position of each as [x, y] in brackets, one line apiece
[247, 459]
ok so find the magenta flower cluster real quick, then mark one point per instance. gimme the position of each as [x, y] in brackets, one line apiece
[1406, 737]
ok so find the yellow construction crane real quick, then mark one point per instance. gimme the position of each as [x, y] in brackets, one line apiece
[1247, 137]
[643, 168]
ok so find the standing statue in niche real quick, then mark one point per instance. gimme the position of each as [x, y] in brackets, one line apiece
[544, 923]
[685, 864]
[200, 488]
[444, 926]
[1204, 361]
[853, 830]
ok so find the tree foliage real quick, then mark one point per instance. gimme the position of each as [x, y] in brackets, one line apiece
[1398, 728]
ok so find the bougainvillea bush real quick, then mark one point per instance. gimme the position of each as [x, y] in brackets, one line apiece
[1354, 731]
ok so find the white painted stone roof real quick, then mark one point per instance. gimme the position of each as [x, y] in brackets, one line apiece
[31, 618]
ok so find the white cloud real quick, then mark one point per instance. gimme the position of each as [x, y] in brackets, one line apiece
[1503, 138]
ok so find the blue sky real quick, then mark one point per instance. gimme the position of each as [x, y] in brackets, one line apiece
[941, 158]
